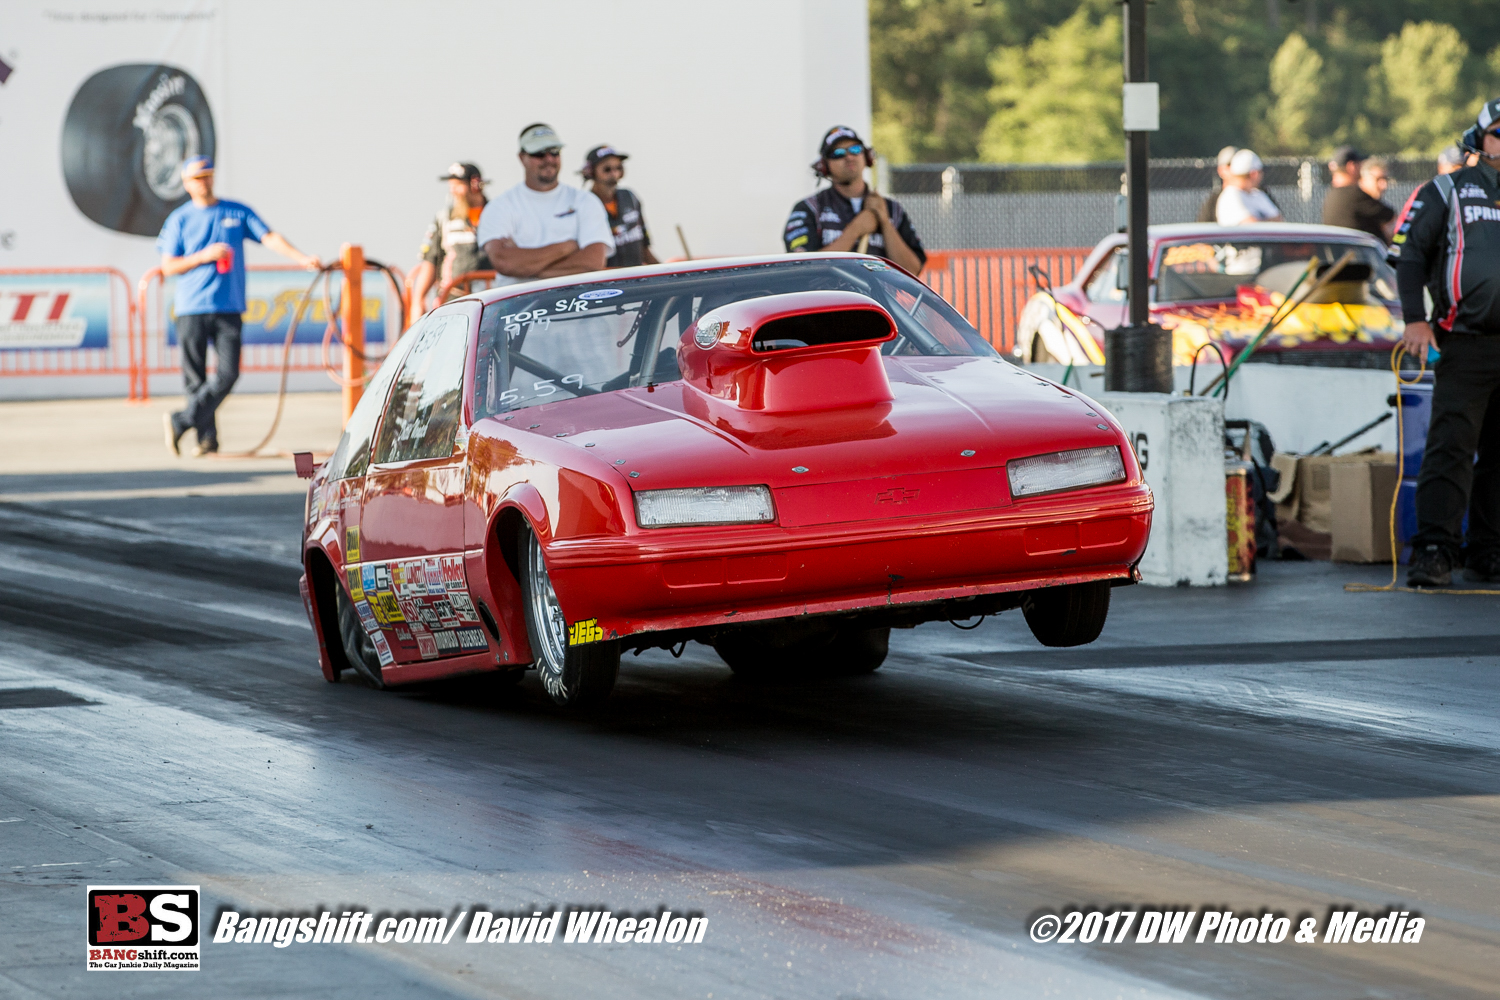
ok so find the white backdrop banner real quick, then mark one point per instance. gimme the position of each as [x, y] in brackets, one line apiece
[98, 108]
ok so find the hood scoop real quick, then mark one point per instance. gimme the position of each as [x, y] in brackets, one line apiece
[792, 353]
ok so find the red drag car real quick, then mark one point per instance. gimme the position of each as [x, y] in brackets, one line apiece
[783, 457]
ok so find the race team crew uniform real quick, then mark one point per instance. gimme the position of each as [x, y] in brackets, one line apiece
[822, 218]
[628, 227]
[451, 244]
[1449, 242]
[208, 304]
[534, 219]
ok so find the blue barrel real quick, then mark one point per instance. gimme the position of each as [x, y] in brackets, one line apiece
[1416, 414]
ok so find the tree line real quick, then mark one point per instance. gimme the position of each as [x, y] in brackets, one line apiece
[1038, 81]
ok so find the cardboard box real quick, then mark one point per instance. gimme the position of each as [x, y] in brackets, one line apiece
[1361, 508]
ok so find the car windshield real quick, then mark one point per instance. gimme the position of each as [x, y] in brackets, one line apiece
[604, 335]
[1196, 271]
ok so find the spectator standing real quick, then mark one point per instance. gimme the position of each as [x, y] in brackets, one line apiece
[451, 244]
[1450, 159]
[1452, 249]
[1343, 168]
[1359, 206]
[604, 168]
[837, 217]
[1208, 211]
[1242, 201]
[540, 228]
[203, 244]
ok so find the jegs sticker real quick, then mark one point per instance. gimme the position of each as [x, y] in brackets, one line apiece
[580, 633]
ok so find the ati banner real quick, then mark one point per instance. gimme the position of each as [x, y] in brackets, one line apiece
[271, 299]
[62, 311]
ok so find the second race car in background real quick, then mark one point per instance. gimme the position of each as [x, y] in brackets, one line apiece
[1220, 285]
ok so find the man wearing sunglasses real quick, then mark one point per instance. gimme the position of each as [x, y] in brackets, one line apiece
[1450, 245]
[604, 169]
[841, 216]
[540, 228]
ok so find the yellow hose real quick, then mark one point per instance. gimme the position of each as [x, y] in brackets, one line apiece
[1370, 588]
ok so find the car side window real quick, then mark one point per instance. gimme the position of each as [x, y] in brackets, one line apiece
[352, 456]
[426, 404]
[1102, 286]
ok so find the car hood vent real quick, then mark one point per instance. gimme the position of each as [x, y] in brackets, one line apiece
[790, 353]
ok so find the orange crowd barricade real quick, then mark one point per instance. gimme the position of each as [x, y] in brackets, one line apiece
[66, 321]
[269, 310]
[990, 287]
[467, 280]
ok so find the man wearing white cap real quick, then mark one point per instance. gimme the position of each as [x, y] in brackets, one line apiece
[1208, 211]
[540, 228]
[1243, 201]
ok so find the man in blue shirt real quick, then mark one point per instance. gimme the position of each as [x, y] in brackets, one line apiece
[202, 243]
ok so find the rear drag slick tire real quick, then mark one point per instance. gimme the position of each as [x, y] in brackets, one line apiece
[359, 650]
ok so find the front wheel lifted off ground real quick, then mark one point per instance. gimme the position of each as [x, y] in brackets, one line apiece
[574, 676]
[1068, 616]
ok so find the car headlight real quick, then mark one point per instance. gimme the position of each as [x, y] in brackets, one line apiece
[1065, 470]
[704, 505]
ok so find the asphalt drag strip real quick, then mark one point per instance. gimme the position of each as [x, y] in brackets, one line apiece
[163, 722]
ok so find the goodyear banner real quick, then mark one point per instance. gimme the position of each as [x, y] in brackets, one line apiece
[54, 311]
[271, 299]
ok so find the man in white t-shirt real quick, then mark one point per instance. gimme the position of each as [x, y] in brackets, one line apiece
[540, 228]
[1242, 201]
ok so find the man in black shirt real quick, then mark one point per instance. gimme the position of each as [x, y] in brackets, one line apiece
[838, 217]
[1358, 206]
[604, 168]
[1450, 245]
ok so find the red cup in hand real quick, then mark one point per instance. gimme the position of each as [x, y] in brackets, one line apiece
[226, 262]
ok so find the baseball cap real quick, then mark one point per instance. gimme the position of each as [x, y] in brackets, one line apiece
[1489, 114]
[1245, 162]
[836, 135]
[538, 138]
[1345, 155]
[462, 172]
[1226, 154]
[598, 153]
[197, 166]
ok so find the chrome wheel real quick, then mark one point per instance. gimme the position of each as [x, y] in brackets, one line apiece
[574, 675]
[547, 613]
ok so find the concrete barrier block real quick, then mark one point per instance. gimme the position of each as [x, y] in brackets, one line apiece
[1179, 441]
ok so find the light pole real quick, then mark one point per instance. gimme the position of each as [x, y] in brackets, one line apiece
[1138, 356]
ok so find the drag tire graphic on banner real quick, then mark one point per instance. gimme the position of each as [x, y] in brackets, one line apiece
[126, 134]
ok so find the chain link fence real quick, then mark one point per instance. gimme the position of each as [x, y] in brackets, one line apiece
[968, 206]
